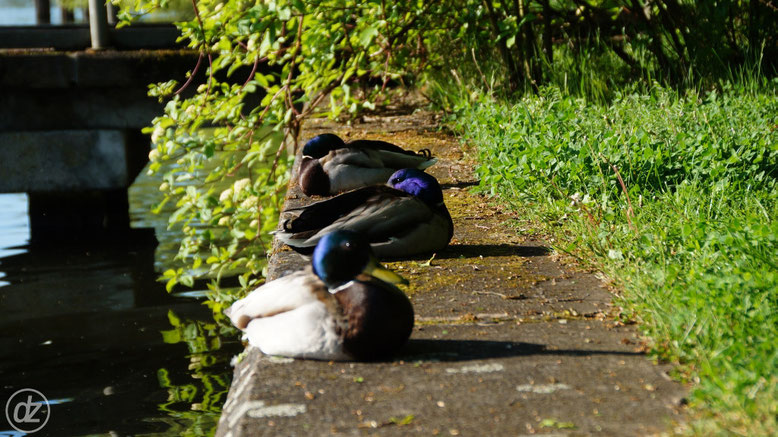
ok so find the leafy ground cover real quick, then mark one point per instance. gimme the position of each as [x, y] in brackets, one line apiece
[675, 197]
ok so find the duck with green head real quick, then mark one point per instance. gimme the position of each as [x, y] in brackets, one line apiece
[331, 166]
[405, 217]
[338, 308]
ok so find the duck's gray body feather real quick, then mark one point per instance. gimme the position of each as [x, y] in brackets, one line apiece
[395, 223]
[351, 168]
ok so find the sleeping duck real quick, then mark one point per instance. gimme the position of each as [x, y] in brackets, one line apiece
[335, 309]
[330, 166]
[407, 217]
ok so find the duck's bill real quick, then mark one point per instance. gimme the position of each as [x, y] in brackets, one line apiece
[378, 271]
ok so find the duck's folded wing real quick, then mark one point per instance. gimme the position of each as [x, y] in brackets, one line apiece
[360, 169]
[377, 145]
[318, 215]
[427, 236]
[275, 297]
[350, 157]
[380, 154]
[397, 160]
[381, 220]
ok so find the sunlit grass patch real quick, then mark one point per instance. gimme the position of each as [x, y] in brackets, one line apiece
[676, 198]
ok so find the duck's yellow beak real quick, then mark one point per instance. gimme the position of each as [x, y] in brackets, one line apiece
[376, 270]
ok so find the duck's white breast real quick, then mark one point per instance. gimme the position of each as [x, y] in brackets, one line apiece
[305, 332]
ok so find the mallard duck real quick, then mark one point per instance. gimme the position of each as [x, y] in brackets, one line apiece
[335, 309]
[330, 166]
[407, 217]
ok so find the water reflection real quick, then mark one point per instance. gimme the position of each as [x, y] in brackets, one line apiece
[88, 321]
[196, 402]
[22, 12]
[14, 225]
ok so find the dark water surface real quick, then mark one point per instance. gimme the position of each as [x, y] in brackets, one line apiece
[86, 323]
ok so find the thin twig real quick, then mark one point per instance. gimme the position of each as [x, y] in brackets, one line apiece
[191, 75]
[478, 67]
[210, 84]
[259, 214]
[272, 99]
[275, 161]
[199, 20]
[630, 211]
[386, 70]
[322, 94]
[251, 75]
[297, 45]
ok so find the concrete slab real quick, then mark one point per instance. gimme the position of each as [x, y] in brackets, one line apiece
[77, 37]
[76, 108]
[70, 160]
[109, 68]
[510, 339]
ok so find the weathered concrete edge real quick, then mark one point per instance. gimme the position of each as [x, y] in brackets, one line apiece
[282, 262]
[254, 386]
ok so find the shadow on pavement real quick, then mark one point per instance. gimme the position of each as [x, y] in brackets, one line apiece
[462, 184]
[466, 350]
[476, 250]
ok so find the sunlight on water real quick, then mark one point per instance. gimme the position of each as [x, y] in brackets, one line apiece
[98, 315]
[14, 227]
[22, 12]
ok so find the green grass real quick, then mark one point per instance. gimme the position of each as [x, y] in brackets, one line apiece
[676, 198]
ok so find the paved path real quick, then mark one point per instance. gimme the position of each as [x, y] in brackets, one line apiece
[510, 339]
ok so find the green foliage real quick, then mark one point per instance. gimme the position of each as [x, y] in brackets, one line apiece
[675, 196]
[229, 132]
[225, 150]
[653, 141]
[593, 48]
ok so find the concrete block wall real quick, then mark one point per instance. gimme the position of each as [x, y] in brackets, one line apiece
[70, 130]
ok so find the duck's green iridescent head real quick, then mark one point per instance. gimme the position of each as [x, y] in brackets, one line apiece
[342, 255]
[320, 145]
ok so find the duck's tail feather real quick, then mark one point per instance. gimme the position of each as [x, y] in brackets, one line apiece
[302, 245]
[428, 163]
[427, 153]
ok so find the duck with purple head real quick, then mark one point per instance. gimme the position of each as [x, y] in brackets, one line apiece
[405, 217]
[331, 166]
[338, 308]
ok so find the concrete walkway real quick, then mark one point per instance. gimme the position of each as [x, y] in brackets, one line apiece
[510, 339]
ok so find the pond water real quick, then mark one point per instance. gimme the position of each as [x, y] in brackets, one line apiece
[87, 324]
[22, 13]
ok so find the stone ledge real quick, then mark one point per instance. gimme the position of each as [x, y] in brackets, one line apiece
[508, 339]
